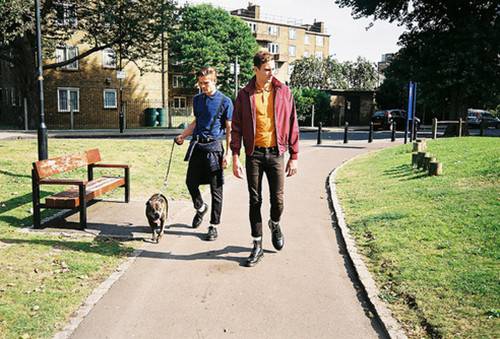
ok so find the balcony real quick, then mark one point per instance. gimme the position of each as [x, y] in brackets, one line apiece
[265, 37]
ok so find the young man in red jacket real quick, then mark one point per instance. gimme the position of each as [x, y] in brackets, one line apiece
[265, 119]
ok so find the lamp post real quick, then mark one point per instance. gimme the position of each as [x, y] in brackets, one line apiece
[42, 128]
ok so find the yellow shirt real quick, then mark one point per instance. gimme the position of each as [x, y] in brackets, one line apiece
[265, 132]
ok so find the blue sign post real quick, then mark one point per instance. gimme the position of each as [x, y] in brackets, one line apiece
[411, 105]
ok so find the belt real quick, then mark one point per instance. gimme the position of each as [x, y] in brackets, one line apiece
[203, 140]
[266, 149]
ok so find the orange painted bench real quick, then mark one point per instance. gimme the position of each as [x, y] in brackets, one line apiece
[82, 191]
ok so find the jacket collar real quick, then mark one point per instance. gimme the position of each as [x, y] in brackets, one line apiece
[250, 87]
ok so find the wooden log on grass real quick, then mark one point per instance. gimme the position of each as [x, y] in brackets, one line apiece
[420, 159]
[419, 145]
[427, 160]
[414, 159]
[435, 168]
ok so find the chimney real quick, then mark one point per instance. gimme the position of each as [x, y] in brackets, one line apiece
[254, 9]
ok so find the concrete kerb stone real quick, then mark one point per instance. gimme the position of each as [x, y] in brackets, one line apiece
[390, 324]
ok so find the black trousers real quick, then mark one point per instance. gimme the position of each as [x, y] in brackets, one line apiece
[268, 162]
[198, 174]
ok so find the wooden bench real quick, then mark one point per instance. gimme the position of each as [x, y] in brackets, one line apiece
[82, 192]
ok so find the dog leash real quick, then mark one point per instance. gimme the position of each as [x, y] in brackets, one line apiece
[165, 181]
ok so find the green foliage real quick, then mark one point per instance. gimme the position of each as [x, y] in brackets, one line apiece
[305, 98]
[431, 242]
[451, 49]
[330, 74]
[209, 36]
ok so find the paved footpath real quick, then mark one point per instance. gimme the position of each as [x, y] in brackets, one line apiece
[185, 287]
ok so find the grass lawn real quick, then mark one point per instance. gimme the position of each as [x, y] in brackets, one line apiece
[432, 243]
[44, 278]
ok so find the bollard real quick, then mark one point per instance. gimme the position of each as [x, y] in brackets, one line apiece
[460, 122]
[319, 133]
[434, 128]
[345, 132]
[393, 132]
[481, 128]
[370, 132]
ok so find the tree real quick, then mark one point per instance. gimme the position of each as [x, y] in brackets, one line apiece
[450, 48]
[209, 36]
[130, 27]
[305, 98]
[330, 74]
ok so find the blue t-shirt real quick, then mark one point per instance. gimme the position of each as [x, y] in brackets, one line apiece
[205, 108]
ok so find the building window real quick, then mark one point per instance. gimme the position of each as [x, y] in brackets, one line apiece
[273, 30]
[68, 99]
[291, 50]
[306, 39]
[273, 48]
[319, 55]
[306, 54]
[179, 102]
[177, 81]
[253, 26]
[108, 58]
[66, 53]
[110, 98]
[292, 33]
[65, 14]
[319, 40]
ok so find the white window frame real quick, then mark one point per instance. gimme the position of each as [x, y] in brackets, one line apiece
[273, 48]
[292, 50]
[306, 54]
[253, 26]
[66, 20]
[109, 90]
[179, 100]
[319, 40]
[63, 54]
[306, 39]
[68, 106]
[108, 58]
[177, 81]
[292, 34]
[273, 30]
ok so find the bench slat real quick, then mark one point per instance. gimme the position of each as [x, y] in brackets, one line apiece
[46, 168]
[70, 199]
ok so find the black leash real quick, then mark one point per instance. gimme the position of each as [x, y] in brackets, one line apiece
[165, 181]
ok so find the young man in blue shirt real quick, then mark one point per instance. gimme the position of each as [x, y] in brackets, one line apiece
[213, 113]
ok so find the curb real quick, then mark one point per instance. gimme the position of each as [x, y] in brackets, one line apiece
[94, 297]
[390, 324]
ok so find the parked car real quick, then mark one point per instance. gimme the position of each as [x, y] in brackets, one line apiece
[383, 119]
[476, 116]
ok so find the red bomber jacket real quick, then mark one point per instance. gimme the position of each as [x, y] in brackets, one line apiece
[285, 120]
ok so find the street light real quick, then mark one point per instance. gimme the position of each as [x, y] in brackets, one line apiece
[42, 128]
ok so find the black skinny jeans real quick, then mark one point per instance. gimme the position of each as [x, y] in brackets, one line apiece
[269, 162]
[199, 173]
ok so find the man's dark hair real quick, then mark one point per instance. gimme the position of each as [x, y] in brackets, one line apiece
[261, 57]
[205, 71]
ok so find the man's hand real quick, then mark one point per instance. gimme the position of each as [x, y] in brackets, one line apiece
[237, 169]
[226, 161]
[291, 167]
[179, 140]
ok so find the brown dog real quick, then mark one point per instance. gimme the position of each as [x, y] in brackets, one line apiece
[156, 212]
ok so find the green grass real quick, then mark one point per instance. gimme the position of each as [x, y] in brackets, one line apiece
[431, 242]
[44, 278]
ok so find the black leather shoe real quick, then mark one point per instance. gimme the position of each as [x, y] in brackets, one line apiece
[212, 233]
[256, 254]
[198, 217]
[277, 236]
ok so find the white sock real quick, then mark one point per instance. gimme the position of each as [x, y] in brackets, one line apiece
[202, 208]
[257, 238]
[214, 226]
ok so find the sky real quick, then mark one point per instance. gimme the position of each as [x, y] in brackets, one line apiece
[349, 38]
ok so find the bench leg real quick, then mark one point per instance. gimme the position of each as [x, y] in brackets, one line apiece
[36, 201]
[127, 185]
[83, 207]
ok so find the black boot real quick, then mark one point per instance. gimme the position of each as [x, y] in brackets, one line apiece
[277, 236]
[256, 254]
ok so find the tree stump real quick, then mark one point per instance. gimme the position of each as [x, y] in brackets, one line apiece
[427, 160]
[419, 145]
[435, 168]
[420, 159]
[414, 159]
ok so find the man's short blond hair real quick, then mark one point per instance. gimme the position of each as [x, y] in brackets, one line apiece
[207, 71]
